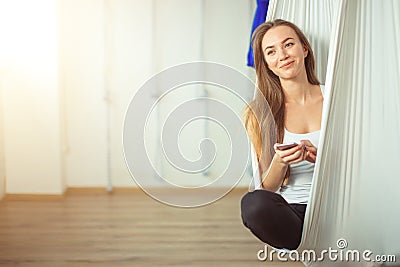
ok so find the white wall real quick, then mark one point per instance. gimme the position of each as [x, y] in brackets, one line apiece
[83, 80]
[76, 64]
[30, 93]
[2, 165]
[229, 47]
[130, 62]
[179, 31]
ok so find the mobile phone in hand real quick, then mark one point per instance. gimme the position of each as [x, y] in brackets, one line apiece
[286, 146]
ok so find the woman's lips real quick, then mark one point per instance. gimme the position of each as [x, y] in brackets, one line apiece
[287, 64]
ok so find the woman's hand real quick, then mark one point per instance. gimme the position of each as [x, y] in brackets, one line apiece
[291, 155]
[311, 151]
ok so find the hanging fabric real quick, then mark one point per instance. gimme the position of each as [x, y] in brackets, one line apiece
[354, 196]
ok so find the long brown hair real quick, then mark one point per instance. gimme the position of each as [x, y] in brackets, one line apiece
[265, 115]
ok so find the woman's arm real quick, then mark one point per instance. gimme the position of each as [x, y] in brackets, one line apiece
[273, 178]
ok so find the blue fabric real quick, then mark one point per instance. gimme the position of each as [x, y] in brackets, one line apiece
[259, 18]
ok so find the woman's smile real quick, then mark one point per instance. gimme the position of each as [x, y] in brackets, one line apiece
[287, 65]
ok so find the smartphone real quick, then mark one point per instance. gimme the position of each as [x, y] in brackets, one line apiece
[286, 146]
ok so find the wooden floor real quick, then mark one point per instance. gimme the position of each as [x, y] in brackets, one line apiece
[86, 228]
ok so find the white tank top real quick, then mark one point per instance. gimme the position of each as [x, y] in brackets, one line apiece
[301, 173]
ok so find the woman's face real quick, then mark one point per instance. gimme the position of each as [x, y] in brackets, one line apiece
[283, 52]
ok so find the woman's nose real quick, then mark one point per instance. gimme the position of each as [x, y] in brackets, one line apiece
[282, 54]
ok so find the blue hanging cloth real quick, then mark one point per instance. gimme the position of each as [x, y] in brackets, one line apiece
[259, 18]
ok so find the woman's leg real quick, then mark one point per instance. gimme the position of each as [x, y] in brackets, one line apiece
[272, 219]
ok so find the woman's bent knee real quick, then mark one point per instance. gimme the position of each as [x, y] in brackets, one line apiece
[256, 205]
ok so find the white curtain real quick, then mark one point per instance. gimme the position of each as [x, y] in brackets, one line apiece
[355, 190]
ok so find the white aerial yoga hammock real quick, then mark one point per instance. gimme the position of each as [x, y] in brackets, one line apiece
[355, 193]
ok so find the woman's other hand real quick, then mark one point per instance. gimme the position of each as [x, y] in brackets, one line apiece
[311, 151]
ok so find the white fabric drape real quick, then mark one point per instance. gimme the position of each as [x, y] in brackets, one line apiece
[356, 180]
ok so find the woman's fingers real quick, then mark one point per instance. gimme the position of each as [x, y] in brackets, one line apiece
[311, 154]
[311, 149]
[304, 151]
[311, 157]
[283, 154]
[308, 145]
[297, 156]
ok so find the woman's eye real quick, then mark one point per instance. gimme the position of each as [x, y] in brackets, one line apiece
[289, 44]
[270, 52]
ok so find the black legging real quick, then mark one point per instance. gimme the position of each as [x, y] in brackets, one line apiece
[272, 219]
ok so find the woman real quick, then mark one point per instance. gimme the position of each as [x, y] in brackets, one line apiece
[287, 82]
